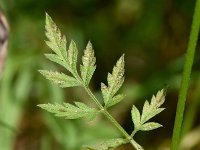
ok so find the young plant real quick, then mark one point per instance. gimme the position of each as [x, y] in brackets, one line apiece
[68, 59]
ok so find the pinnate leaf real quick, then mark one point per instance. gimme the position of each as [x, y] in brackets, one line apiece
[60, 79]
[70, 111]
[88, 67]
[149, 111]
[106, 144]
[68, 59]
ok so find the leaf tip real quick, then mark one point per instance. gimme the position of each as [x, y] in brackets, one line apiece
[41, 105]
[42, 72]
[46, 14]
[48, 18]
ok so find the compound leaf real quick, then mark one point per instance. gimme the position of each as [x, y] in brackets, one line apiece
[149, 111]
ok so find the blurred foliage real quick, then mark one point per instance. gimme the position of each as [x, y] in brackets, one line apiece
[152, 34]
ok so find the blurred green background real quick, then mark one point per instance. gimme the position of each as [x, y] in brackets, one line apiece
[152, 34]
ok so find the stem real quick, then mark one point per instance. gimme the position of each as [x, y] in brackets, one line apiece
[114, 122]
[107, 114]
[186, 77]
[191, 112]
[134, 132]
[94, 98]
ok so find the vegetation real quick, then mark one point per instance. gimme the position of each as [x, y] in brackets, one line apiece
[68, 59]
[154, 38]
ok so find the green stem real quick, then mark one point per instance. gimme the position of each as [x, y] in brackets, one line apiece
[114, 122]
[94, 98]
[134, 132]
[107, 114]
[191, 112]
[186, 77]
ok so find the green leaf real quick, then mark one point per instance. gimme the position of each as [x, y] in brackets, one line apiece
[104, 90]
[70, 111]
[105, 144]
[56, 41]
[115, 81]
[153, 113]
[149, 111]
[152, 109]
[150, 126]
[88, 67]
[60, 79]
[135, 117]
[55, 58]
[159, 99]
[116, 99]
[72, 55]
